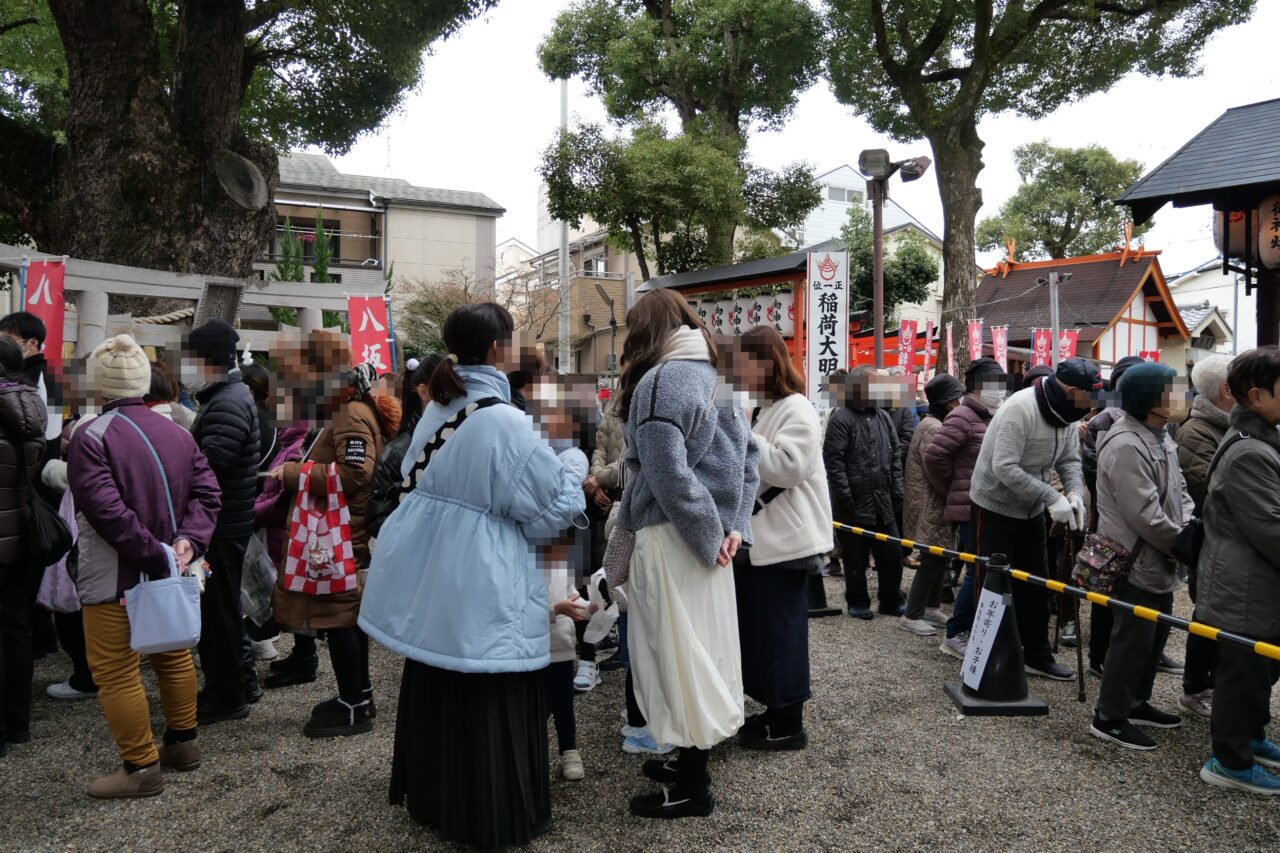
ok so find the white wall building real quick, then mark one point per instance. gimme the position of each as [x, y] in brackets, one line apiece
[1206, 282]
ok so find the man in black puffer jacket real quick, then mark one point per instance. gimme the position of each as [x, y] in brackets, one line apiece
[864, 473]
[226, 429]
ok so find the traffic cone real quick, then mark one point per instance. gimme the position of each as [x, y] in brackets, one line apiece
[1002, 677]
[818, 598]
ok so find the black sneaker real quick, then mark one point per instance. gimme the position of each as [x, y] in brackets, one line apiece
[294, 661]
[336, 718]
[671, 804]
[893, 609]
[612, 662]
[253, 694]
[292, 671]
[209, 711]
[769, 741]
[1169, 665]
[1121, 732]
[1051, 670]
[861, 613]
[754, 725]
[1145, 715]
[662, 770]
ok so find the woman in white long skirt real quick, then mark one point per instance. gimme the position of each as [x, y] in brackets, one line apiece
[691, 487]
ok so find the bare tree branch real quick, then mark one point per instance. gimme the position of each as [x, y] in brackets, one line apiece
[13, 25]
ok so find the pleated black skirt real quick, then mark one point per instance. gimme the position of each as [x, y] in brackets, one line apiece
[773, 628]
[470, 756]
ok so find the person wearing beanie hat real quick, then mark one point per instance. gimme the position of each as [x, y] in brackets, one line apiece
[923, 510]
[986, 380]
[1142, 505]
[1029, 378]
[227, 431]
[1100, 617]
[137, 523]
[119, 369]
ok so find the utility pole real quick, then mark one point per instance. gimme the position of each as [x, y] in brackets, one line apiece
[878, 188]
[1053, 318]
[565, 289]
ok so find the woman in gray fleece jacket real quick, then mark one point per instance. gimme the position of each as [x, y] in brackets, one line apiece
[691, 483]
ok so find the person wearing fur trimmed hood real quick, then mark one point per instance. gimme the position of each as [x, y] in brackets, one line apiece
[355, 426]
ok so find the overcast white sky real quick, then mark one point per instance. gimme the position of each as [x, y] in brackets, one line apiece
[484, 112]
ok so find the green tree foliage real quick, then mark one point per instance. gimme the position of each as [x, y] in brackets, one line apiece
[722, 66]
[1065, 207]
[909, 269]
[663, 197]
[933, 69]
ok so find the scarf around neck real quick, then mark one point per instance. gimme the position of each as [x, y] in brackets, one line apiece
[686, 344]
[1054, 404]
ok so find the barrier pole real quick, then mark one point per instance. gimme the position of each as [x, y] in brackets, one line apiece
[1268, 650]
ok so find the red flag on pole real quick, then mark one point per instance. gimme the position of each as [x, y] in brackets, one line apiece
[1041, 341]
[370, 335]
[975, 339]
[951, 351]
[930, 351]
[1000, 346]
[906, 344]
[1067, 342]
[44, 298]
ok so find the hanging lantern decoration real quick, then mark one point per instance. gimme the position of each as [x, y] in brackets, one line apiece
[1269, 232]
[780, 312]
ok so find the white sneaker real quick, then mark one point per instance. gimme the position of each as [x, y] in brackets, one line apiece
[588, 676]
[955, 646]
[919, 627]
[1200, 704]
[264, 649]
[935, 617]
[571, 765]
[64, 691]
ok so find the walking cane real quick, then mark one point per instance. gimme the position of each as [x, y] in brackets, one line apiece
[1068, 553]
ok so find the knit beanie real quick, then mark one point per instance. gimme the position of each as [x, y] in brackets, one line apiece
[215, 342]
[119, 368]
[1029, 378]
[979, 369]
[942, 389]
[1143, 387]
[1117, 372]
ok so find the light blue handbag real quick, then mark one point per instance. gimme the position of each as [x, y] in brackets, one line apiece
[164, 615]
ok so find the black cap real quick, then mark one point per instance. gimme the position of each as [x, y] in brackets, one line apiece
[1079, 373]
[1120, 367]
[215, 342]
[979, 368]
[943, 388]
[1029, 378]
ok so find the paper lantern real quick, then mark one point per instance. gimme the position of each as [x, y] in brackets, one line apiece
[720, 311]
[704, 308]
[754, 313]
[780, 312]
[1269, 232]
[1235, 230]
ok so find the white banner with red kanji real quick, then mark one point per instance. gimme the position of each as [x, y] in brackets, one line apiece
[826, 314]
[370, 332]
[43, 296]
[1000, 346]
[1041, 347]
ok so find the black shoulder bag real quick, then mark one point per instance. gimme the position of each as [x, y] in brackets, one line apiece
[443, 434]
[48, 539]
[1186, 548]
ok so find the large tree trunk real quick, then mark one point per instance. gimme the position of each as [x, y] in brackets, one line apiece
[135, 184]
[957, 154]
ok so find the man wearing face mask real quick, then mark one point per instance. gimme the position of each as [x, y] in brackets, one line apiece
[1032, 435]
[226, 430]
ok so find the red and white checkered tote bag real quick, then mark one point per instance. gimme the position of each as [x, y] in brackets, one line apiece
[320, 560]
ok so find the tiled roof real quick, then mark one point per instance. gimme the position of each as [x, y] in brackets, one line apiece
[794, 262]
[1237, 157]
[303, 172]
[1089, 300]
[1193, 315]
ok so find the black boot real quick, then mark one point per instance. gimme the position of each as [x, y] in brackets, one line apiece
[295, 669]
[783, 730]
[336, 718]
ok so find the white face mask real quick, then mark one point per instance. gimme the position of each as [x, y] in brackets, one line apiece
[992, 399]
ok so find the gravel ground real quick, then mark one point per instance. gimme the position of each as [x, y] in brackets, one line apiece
[890, 765]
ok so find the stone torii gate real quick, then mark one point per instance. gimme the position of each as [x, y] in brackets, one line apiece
[88, 284]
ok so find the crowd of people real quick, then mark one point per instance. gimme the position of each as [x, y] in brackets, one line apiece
[489, 523]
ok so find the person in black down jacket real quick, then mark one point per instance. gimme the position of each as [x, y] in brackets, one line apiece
[227, 432]
[384, 495]
[22, 425]
[864, 472]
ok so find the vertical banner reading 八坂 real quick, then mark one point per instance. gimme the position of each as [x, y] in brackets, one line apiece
[370, 332]
[906, 344]
[1041, 343]
[1000, 346]
[951, 351]
[1068, 340]
[44, 298]
[827, 317]
[975, 339]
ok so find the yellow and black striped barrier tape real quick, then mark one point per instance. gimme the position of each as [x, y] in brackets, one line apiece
[1200, 629]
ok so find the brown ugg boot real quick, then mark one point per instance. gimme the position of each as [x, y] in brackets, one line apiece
[182, 756]
[147, 782]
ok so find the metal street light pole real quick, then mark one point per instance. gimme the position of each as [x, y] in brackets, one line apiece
[565, 291]
[1054, 329]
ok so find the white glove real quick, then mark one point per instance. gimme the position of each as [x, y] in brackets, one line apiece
[1077, 511]
[1061, 511]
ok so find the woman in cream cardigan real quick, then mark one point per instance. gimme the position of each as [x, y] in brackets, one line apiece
[793, 532]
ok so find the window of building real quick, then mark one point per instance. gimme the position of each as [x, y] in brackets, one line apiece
[306, 234]
[334, 278]
[843, 194]
[595, 265]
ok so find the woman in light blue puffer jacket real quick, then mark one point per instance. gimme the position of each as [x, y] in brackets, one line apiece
[455, 587]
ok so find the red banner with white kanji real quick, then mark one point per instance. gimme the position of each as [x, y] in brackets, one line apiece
[44, 298]
[1149, 355]
[975, 339]
[906, 344]
[1068, 340]
[930, 351]
[1041, 347]
[370, 332]
[951, 351]
[1000, 346]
